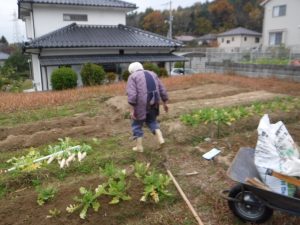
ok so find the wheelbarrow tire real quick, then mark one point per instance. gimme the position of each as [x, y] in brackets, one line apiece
[257, 213]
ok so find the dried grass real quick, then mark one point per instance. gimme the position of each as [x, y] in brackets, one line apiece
[11, 102]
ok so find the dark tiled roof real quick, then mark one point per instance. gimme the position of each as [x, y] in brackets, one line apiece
[103, 3]
[81, 59]
[239, 31]
[208, 37]
[84, 36]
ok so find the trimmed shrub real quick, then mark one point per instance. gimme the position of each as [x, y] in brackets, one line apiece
[125, 75]
[63, 78]
[92, 74]
[163, 72]
[152, 67]
[111, 77]
[179, 65]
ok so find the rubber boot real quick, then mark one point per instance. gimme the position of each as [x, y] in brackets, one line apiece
[159, 136]
[139, 145]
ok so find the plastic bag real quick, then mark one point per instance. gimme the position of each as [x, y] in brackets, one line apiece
[276, 149]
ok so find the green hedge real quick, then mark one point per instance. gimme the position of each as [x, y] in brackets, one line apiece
[111, 77]
[152, 67]
[63, 78]
[179, 65]
[92, 74]
[125, 75]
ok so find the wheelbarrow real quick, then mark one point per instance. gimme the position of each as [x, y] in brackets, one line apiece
[254, 203]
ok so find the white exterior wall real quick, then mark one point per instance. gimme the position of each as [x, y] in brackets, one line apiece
[29, 27]
[36, 72]
[239, 42]
[47, 18]
[288, 24]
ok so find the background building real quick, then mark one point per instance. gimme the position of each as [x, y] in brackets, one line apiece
[281, 24]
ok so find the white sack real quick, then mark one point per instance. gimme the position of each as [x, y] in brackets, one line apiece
[275, 148]
[275, 184]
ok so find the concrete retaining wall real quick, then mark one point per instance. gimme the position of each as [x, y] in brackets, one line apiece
[254, 70]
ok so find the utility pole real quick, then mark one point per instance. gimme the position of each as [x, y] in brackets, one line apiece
[16, 30]
[170, 21]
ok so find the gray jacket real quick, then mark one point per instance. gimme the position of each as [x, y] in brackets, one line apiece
[137, 92]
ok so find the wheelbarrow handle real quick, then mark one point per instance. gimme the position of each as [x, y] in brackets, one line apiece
[224, 194]
[288, 179]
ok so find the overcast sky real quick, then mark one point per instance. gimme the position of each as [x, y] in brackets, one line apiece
[7, 8]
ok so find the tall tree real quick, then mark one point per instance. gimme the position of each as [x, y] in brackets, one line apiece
[155, 22]
[207, 17]
[3, 41]
[203, 26]
[222, 10]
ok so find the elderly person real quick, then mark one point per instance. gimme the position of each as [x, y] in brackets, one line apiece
[145, 91]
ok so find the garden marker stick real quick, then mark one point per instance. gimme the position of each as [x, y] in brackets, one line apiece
[77, 147]
[185, 198]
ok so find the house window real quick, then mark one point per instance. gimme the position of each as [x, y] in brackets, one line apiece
[222, 40]
[279, 10]
[75, 17]
[257, 40]
[228, 41]
[245, 38]
[275, 38]
[232, 39]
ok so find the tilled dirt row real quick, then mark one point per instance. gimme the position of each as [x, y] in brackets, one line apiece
[40, 133]
[110, 122]
[238, 99]
[207, 91]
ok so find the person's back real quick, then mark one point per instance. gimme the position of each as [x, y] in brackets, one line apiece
[145, 91]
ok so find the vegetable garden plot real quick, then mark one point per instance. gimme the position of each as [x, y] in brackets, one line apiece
[183, 158]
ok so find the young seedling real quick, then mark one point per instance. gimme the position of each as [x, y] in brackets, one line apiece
[141, 169]
[53, 213]
[26, 163]
[87, 199]
[155, 183]
[155, 186]
[45, 195]
[117, 186]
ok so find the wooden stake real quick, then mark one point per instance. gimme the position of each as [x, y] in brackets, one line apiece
[185, 198]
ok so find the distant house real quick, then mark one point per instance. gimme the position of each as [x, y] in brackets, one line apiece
[239, 38]
[281, 23]
[3, 57]
[74, 32]
[207, 39]
[185, 38]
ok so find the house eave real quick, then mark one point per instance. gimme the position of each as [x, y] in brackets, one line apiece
[131, 7]
[264, 2]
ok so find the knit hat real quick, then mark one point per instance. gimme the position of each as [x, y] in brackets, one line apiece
[133, 67]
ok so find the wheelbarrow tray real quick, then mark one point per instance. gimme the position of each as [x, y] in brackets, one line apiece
[243, 167]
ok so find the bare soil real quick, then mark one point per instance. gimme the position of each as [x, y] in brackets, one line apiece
[182, 155]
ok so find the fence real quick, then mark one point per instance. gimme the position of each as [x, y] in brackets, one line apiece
[202, 59]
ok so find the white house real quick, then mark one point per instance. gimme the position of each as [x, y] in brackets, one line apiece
[3, 57]
[239, 38]
[74, 32]
[281, 23]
